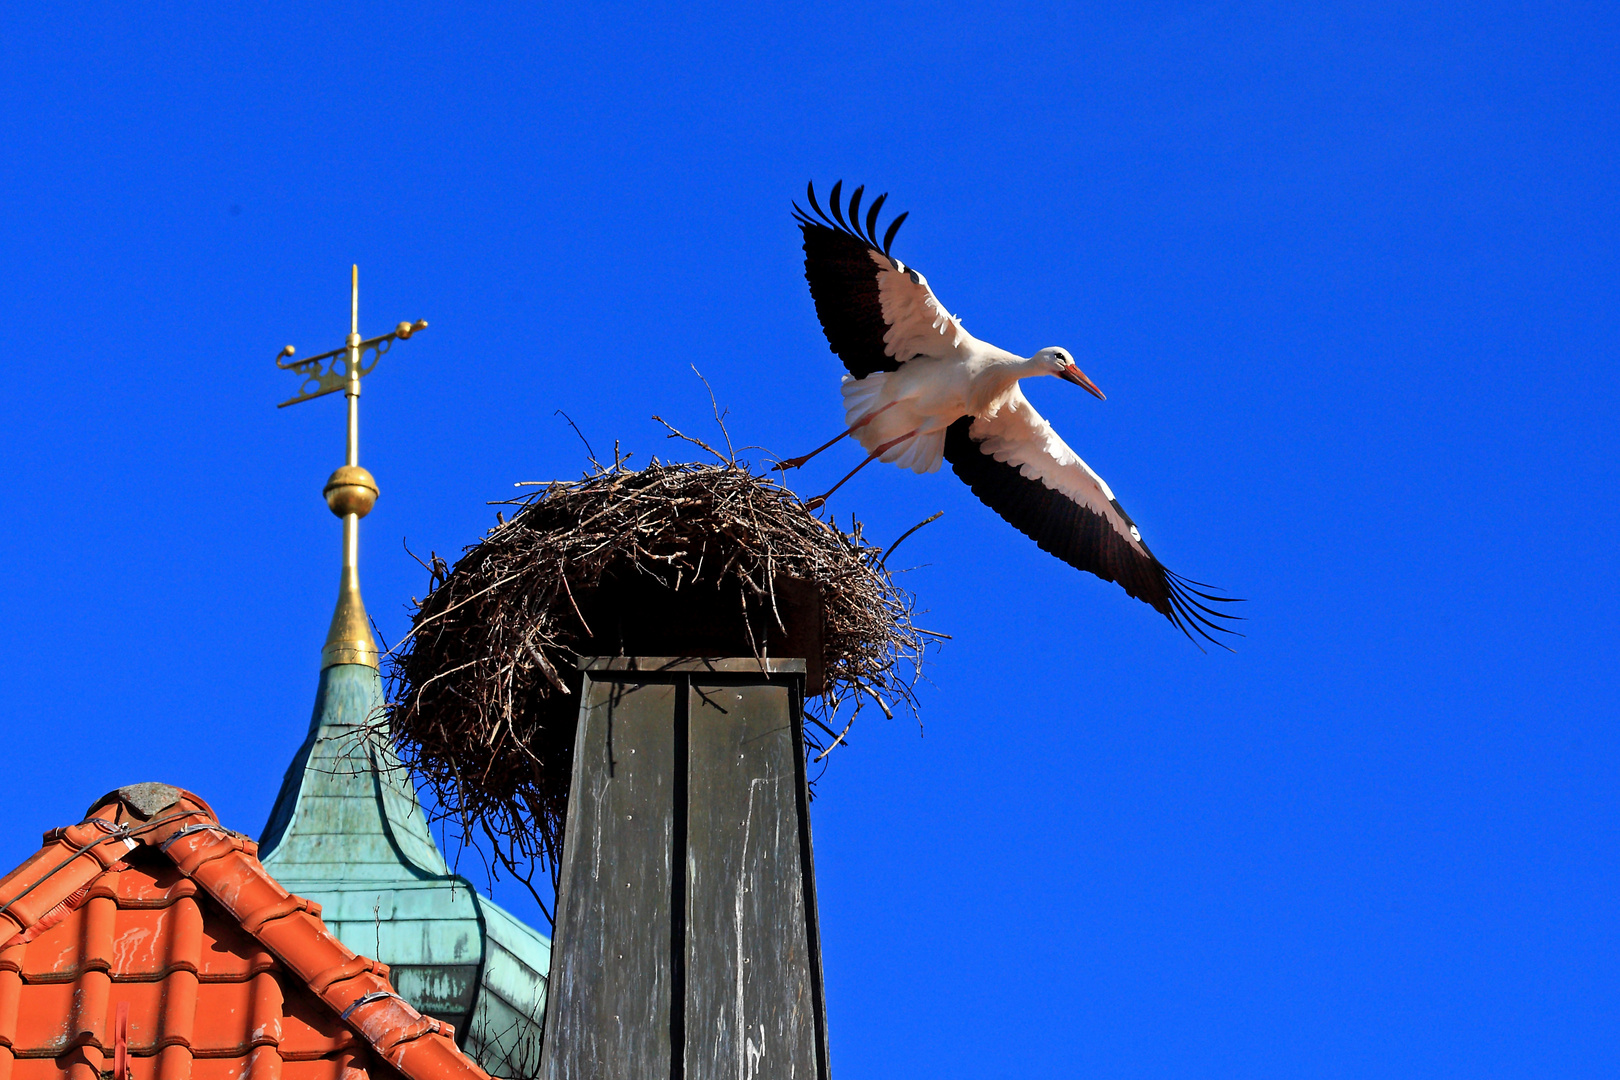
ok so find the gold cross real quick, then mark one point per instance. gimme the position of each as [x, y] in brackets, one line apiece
[351, 491]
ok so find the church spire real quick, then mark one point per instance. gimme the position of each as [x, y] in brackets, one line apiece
[351, 491]
[348, 829]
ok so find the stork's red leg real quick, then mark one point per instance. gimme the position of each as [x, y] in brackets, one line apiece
[816, 502]
[794, 463]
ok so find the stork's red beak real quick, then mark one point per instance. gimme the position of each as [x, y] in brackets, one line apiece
[1078, 377]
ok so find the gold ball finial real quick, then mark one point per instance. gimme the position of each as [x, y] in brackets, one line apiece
[351, 490]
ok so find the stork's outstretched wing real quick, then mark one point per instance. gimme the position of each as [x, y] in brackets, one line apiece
[1018, 466]
[876, 311]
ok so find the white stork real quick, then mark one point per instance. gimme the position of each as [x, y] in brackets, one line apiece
[921, 389]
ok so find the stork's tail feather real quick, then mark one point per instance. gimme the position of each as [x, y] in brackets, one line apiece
[1190, 616]
[861, 396]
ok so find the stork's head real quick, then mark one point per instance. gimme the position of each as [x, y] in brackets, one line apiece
[1058, 362]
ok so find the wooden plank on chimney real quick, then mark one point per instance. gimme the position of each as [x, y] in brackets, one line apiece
[611, 978]
[752, 1006]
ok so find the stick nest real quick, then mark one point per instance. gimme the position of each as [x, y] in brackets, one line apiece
[484, 692]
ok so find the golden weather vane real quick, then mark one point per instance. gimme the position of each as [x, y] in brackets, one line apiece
[351, 491]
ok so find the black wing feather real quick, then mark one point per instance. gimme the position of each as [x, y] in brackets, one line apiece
[894, 227]
[843, 280]
[1077, 534]
[810, 192]
[872, 216]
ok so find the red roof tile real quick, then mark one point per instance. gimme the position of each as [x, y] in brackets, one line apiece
[150, 909]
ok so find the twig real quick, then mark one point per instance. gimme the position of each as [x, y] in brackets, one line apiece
[719, 418]
[840, 738]
[581, 435]
[674, 434]
[925, 521]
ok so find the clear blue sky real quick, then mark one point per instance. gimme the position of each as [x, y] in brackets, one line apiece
[1347, 273]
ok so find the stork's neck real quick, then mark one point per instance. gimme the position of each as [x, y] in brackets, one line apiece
[1030, 365]
[994, 374]
[1010, 367]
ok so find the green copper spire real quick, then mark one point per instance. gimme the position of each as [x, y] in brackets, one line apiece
[348, 832]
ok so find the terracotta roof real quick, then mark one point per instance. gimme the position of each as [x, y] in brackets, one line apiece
[149, 934]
